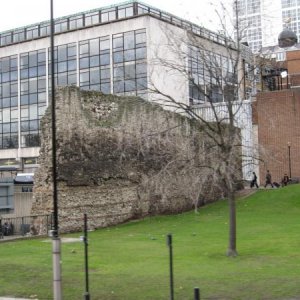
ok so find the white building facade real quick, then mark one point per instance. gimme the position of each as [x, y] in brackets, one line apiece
[117, 50]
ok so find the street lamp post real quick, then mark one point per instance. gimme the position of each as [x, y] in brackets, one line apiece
[56, 243]
[289, 155]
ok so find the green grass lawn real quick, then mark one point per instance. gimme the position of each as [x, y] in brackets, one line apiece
[131, 261]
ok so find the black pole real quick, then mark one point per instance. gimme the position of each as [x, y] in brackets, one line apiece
[290, 165]
[86, 266]
[56, 244]
[54, 174]
[196, 294]
[169, 243]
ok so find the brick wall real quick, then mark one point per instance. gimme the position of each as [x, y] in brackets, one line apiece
[278, 118]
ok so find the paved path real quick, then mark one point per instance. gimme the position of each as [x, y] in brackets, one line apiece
[9, 298]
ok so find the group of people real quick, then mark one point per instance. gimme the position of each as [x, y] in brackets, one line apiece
[6, 229]
[284, 180]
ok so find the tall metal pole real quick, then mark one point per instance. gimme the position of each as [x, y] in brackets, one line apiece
[290, 165]
[86, 295]
[169, 243]
[56, 245]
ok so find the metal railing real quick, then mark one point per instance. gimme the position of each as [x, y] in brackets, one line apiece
[27, 225]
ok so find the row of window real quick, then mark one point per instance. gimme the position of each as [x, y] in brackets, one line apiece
[211, 75]
[127, 68]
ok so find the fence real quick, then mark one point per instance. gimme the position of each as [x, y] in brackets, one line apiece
[27, 225]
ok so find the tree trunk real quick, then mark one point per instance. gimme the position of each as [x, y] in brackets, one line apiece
[232, 225]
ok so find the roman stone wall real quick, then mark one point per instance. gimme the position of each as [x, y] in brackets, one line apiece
[119, 158]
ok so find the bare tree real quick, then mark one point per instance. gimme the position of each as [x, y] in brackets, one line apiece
[219, 73]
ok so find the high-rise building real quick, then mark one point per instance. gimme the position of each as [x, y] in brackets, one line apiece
[261, 21]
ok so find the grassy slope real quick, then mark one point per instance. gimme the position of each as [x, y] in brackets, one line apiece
[131, 261]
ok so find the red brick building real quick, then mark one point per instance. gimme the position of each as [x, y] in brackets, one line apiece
[277, 116]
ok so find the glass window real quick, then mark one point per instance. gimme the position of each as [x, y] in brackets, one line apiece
[105, 88]
[94, 47]
[62, 53]
[118, 42]
[33, 112]
[84, 63]
[62, 67]
[84, 77]
[94, 61]
[6, 115]
[6, 102]
[129, 55]
[129, 40]
[118, 86]
[84, 48]
[72, 52]
[105, 59]
[72, 65]
[105, 74]
[33, 59]
[91, 18]
[118, 57]
[104, 44]
[94, 76]
[140, 53]
[24, 126]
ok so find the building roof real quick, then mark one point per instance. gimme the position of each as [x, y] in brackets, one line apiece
[105, 14]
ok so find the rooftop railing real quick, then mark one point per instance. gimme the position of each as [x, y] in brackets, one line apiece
[101, 16]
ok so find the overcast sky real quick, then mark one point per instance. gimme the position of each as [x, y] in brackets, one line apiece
[18, 13]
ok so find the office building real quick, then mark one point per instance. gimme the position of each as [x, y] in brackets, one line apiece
[112, 49]
[261, 22]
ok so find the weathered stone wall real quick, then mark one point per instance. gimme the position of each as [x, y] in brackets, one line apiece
[118, 158]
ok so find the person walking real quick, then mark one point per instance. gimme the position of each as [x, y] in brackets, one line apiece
[268, 179]
[254, 181]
